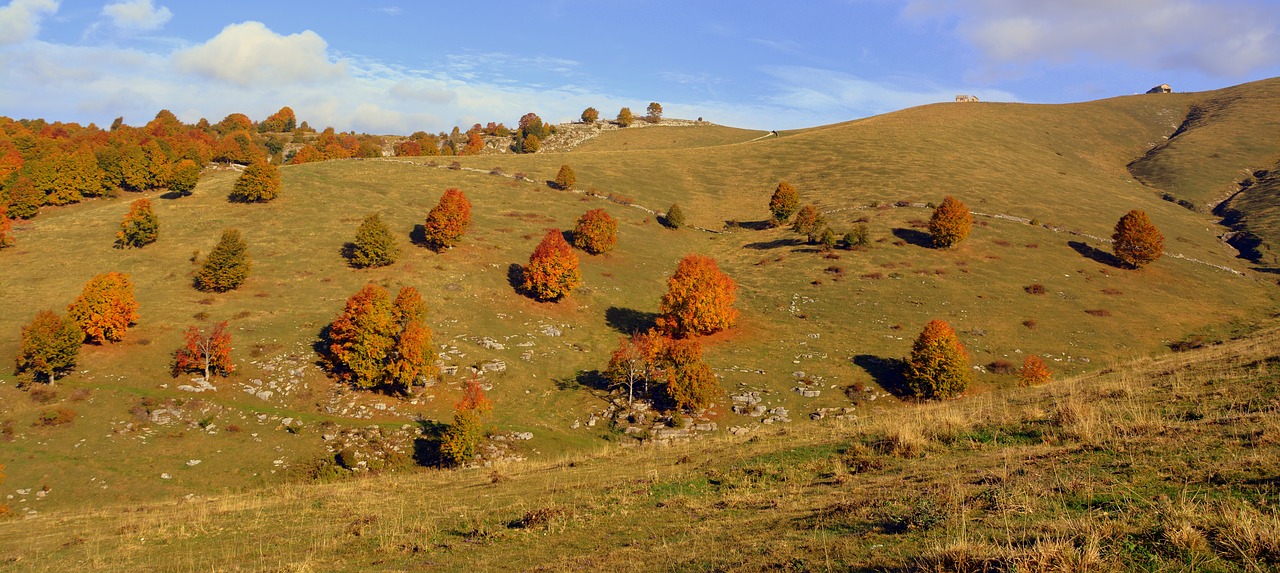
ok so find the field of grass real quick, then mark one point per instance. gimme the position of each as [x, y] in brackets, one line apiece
[836, 320]
[1165, 464]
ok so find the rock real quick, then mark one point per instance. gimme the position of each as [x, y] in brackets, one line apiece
[707, 427]
[493, 366]
[286, 421]
[522, 435]
[165, 476]
[193, 463]
[491, 344]
[264, 394]
[549, 330]
[806, 392]
[739, 430]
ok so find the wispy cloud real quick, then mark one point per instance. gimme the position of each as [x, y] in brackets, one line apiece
[137, 15]
[20, 20]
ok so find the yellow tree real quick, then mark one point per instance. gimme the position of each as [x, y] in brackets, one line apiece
[106, 309]
[950, 224]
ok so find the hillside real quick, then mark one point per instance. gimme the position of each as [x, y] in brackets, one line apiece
[1165, 464]
[829, 325]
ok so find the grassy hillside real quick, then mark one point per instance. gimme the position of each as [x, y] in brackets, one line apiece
[1165, 464]
[835, 321]
[1255, 213]
[663, 137]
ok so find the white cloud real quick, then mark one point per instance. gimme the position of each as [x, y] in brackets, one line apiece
[1222, 38]
[250, 54]
[139, 15]
[819, 92]
[20, 20]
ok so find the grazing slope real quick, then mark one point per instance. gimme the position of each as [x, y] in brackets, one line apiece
[833, 325]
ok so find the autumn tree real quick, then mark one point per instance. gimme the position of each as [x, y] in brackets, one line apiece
[283, 120]
[461, 440]
[1137, 242]
[106, 308]
[653, 112]
[657, 361]
[531, 132]
[259, 183]
[207, 351]
[1034, 372]
[938, 366]
[674, 218]
[140, 226]
[590, 115]
[633, 362]
[699, 299]
[50, 344]
[530, 144]
[692, 386]
[448, 220]
[237, 147]
[950, 223]
[565, 178]
[227, 266]
[552, 272]
[374, 245]
[809, 222]
[596, 232]
[625, 118]
[475, 144]
[380, 343]
[24, 199]
[783, 203]
[184, 176]
[6, 228]
[235, 122]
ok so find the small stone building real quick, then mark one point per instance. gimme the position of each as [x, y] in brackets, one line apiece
[1161, 89]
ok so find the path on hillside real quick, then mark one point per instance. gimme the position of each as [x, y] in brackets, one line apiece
[999, 216]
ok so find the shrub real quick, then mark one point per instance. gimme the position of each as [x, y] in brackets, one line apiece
[106, 309]
[827, 239]
[625, 118]
[1001, 367]
[938, 366]
[590, 115]
[950, 224]
[461, 439]
[448, 220]
[227, 265]
[1034, 372]
[380, 343]
[552, 272]
[783, 203]
[259, 183]
[859, 236]
[565, 178]
[1136, 242]
[55, 417]
[49, 346]
[475, 144]
[1035, 288]
[140, 226]
[699, 299]
[596, 232]
[674, 219]
[205, 351]
[809, 222]
[374, 245]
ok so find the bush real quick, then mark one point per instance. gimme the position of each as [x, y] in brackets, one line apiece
[950, 224]
[1036, 288]
[106, 308]
[827, 239]
[859, 236]
[55, 417]
[50, 344]
[140, 226]
[448, 220]
[1136, 242]
[374, 245]
[552, 272]
[227, 266]
[938, 366]
[674, 219]
[259, 183]
[565, 178]
[699, 299]
[596, 232]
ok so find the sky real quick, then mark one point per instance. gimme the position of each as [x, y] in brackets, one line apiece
[399, 66]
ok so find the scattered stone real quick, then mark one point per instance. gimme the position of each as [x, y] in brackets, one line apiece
[494, 365]
[193, 463]
[165, 476]
[492, 344]
[549, 330]
[807, 392]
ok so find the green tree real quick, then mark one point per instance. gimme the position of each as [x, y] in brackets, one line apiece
[950, 224]
[140, 226]
[565, 178]
[227, 266]
[625, 118]
[783, 203]
[374, 246]
[674, 218]
[259, 183]
[184, 176]
[859, 236]
[49, 346]
[938, 366]
[1137, 242]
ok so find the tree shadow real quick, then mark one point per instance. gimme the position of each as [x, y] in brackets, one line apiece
[418, 236]
[914, 236]
[1095, 254]
[171, 195]
[629, 320]
[568, 236]
[774, 244]
[887, 372]
[426, 449]
[515, 276]
[750, 225]
[584, 379]
[348, 252]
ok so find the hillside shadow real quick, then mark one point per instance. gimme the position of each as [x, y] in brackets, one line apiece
[774, 244]
[1094, 254]
[887, 372]
[568, 236]
[629, 320]
[426, 449]
[914, 236]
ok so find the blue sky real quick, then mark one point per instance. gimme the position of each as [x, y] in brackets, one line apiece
[397, 66]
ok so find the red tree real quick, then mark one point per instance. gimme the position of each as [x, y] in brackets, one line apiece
[1034, 372]
[448, 220]
[475, 144]
[552, 271]
[205, 351]
[596, 232]
[699, 299]
[106, 308]
[6, 228]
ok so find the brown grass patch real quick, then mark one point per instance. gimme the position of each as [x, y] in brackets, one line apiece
[1035, 288]
[1099, 312]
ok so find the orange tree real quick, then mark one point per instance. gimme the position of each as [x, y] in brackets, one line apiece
[205, 351]
[6, 228]
[448, 220]
[461, 439]
[625, 117]
[590, 115]
[699, 299]
[810, 223]
[259, 183]
[380, 343]
[1034, 372]
[783, 203]
[50, 344]
[106, 309]
[1137, 242]
[475, 144]
[552, 272]
[690, 383]
[950, 223]
[596, 232]
[938, 366]
[140, 226]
